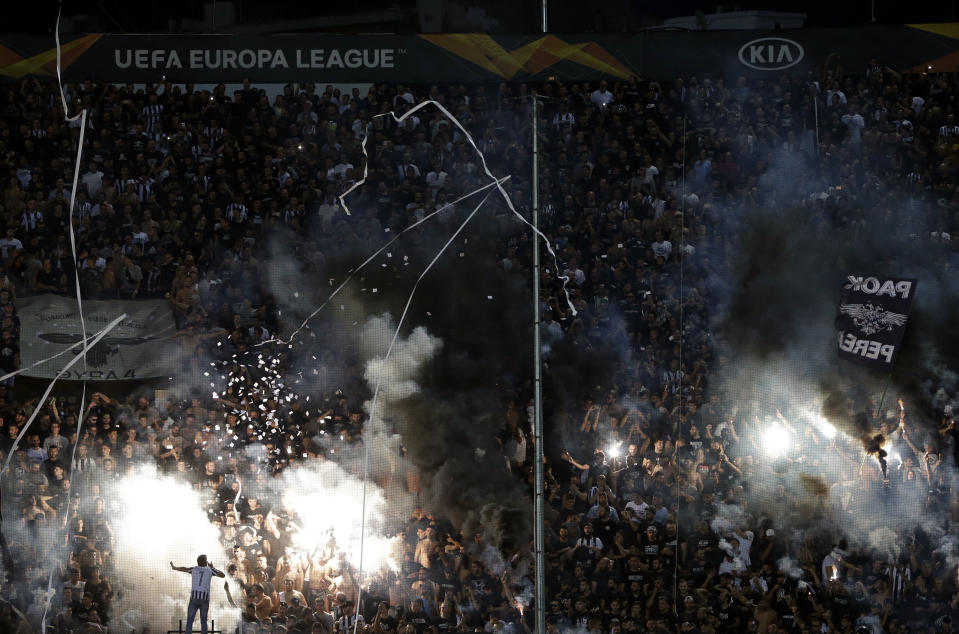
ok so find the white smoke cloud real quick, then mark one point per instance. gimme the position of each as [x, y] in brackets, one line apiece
[885, 541]
[161, 519]
[728, 518]
[395, 375]
[789, 566]
[329, 504]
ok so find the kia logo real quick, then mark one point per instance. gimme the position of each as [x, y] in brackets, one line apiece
[771, 53]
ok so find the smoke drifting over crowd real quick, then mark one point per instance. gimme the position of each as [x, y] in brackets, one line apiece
[161, 520]
[328, 429]
[777, 292]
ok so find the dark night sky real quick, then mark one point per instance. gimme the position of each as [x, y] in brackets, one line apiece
[514, 16]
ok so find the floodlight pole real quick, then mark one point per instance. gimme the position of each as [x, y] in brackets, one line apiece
[538, 453]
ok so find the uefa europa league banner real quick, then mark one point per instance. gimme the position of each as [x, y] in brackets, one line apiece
[873, 311]
[137, 348]
[476, 57]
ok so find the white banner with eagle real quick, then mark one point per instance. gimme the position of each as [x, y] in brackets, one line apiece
[137, 348]
[873, 312]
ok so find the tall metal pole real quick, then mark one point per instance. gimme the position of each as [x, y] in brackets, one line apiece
[815, 106]
[545, 12]
[539, 494]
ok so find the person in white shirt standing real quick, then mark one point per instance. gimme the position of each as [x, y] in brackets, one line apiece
[93, 179]
[203, 574]
[854, 122]
[10, 241]
[601, 98]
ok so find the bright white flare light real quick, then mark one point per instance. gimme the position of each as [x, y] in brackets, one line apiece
[826, 428]
[776, 440]
[329, 504]
[615, 451]
[896, 458]
[158, 520]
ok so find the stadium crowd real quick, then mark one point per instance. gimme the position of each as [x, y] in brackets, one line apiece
[648, 523]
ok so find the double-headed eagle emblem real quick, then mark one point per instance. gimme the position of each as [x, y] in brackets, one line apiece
[98, 354]
[870, 318]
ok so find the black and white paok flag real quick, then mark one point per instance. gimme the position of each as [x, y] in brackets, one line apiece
[872, 318]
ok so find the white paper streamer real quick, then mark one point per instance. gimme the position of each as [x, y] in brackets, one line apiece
[376, 391]
[359, 268]
[113, 324]
[497, 183]
[76, 272]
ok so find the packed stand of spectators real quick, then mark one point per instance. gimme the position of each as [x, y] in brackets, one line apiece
[179, 191]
